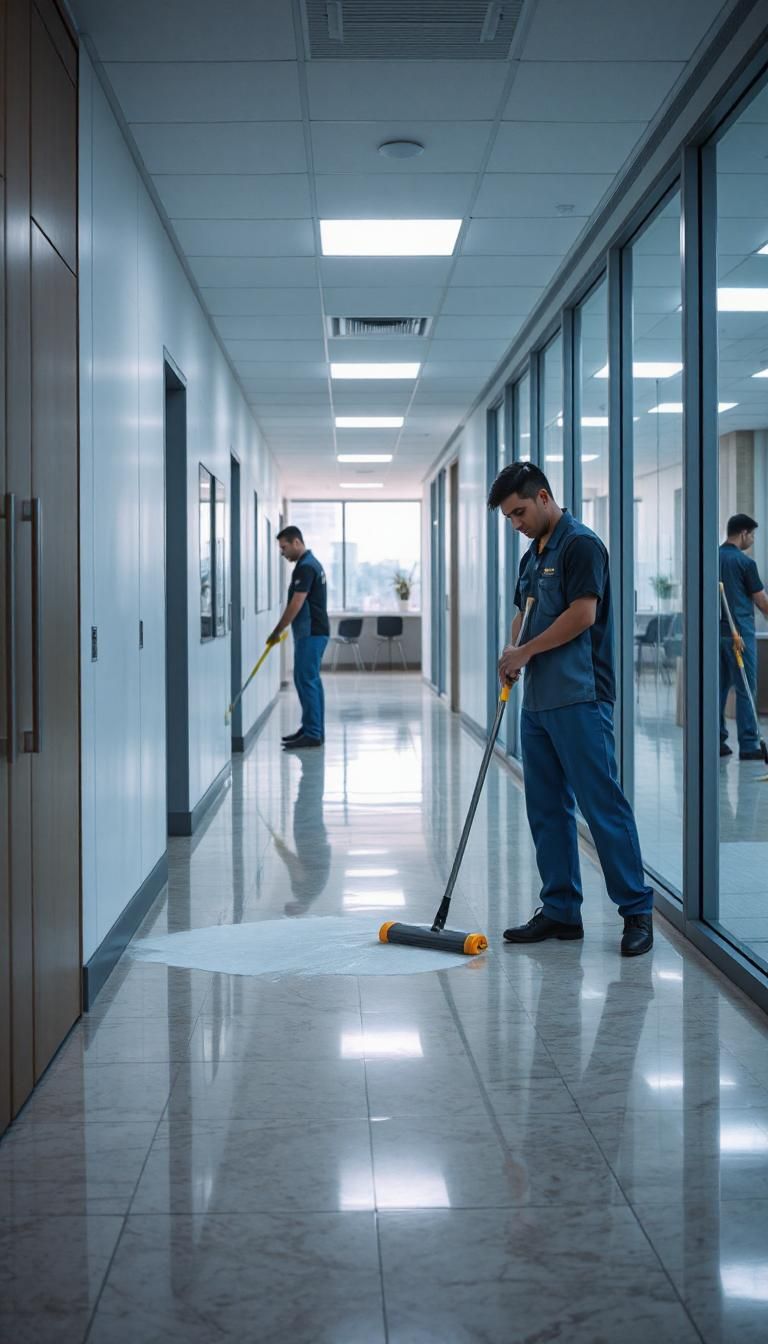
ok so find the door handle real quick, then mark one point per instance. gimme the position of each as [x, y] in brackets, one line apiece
[32, 512]
[9, 514]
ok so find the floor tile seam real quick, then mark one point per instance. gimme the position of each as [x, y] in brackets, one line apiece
[645, 1234]
[379, 1252]
[127, 1213]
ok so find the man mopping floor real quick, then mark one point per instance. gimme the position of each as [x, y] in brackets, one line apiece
[568, 744]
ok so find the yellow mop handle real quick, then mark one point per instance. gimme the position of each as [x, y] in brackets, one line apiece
[505, 690]
[736, 637]
[252, 674]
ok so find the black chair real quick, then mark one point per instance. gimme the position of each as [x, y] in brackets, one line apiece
[348, 637]
[657, 630]
[389, 630]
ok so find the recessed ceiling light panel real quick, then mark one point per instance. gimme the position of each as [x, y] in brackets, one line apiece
[363, 457]
[361, 485]
[742, 300]
[402, 371]
[389, 237]
[648, 369]
[369, 421]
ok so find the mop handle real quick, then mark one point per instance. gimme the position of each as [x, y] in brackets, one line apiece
[442, 913]
[253, 672]
[734, 632]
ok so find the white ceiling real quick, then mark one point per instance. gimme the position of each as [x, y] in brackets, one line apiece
[249, 143]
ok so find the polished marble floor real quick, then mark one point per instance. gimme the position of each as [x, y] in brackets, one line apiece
[545, 1144]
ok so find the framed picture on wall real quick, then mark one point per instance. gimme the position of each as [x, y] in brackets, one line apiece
[205, 513]
[220, 559]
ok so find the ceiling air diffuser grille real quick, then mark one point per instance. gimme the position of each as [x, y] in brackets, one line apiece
[378, 326]
[411, 29]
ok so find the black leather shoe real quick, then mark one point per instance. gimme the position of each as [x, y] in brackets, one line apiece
[299, 743]
[725, 750]
[541, 927]
[293, 737]
[751, 755]
[638, 935]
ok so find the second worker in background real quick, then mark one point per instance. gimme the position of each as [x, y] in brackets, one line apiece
[307, 612]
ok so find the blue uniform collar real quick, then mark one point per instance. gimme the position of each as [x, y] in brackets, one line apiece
[563, 527]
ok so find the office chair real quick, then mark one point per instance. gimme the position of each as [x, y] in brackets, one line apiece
[389, 630]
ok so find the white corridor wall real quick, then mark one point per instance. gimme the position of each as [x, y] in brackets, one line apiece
[136, 302]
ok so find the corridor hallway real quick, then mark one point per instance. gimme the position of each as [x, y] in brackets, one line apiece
[545, 1143]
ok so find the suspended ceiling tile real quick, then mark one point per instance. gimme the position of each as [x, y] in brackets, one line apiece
[234, 196]
[522, 237]
[351, 147]
[471, 328]
[276, 352]
[384, 272]
[584, 91]
[490, 299]
[522, 147]
[621, 31]
[391, 349]
[394, 195]
[539, 195]
[474, 351]
[396, 301]
[246, 237]
[270, 328]
[207, 91]
[280, 372]
[247, 272]
[250, 147]
[506, 271]
[188, 30]
[262, 302]
[429, 90]
[742, 236]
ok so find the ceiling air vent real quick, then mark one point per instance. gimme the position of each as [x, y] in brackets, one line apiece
[418, 30]
[377, 326]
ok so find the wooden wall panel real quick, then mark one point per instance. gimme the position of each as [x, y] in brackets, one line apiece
[54, 145]
[5, 909]
[55, 772]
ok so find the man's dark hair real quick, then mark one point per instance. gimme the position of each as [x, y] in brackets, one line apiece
[740, 522]
[290, 534]
[519, 478]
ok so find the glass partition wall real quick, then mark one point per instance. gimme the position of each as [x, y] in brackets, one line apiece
[665, 368]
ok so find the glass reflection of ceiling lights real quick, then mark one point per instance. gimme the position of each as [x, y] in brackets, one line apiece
[371, 872]
[373, 1044]
[644, 369]
[373, 900]
[669, 1082]
[356, 1188]
[743, 300]
[676, 407]
[748, 1281]
[743, 1138]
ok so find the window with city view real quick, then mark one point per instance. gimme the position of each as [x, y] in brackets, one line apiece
[364, 549]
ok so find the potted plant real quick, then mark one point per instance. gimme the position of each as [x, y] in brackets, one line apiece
[403, 583]
[663, 587]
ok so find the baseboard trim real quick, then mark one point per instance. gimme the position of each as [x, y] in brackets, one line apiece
[186, 823]
[99, 967]
[240, 744]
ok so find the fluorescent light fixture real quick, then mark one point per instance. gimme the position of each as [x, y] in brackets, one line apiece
[366, 853]
[643, 369]
[369, 421]
[742, 300]
[375, 370]
[372, 1044]
[763, 251]
[389, 237]
[594, 421]
[363, 457]
[676, 407]
[589, 457]
[762, 374]
[553, 457]
[361, 485]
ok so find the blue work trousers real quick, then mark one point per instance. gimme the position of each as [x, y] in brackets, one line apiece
[730, 675]
[308, 653]
[569, 758]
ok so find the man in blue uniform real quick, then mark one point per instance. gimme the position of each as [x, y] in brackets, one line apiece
[567, 719]
[307, 611]
[744, 591]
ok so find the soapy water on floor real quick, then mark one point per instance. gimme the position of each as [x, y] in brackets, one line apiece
[325, 945]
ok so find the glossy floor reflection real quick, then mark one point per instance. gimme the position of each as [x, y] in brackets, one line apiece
[545, 1144]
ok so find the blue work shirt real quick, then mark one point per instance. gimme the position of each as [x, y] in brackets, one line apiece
[573, 564]
[740, 577]
[309, 577]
